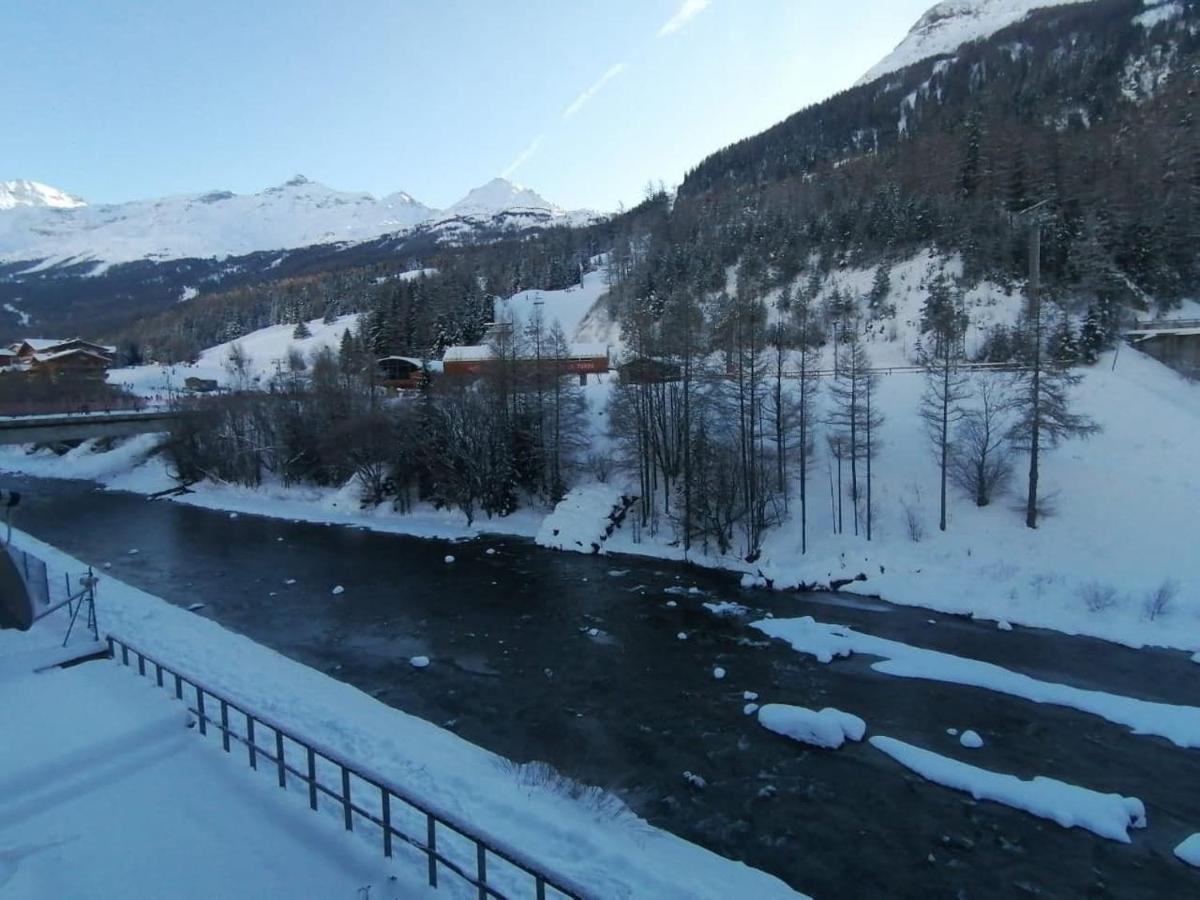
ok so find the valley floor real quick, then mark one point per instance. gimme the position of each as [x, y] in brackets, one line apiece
[1119, 530]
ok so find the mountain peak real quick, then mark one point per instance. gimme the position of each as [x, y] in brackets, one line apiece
[948, 25]
[22, 192]
[497, 195]
[296, 181]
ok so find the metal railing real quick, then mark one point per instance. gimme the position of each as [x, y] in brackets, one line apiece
[437, 827]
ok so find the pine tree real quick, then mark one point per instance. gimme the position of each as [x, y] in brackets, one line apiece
[944, 319]
[301, 330]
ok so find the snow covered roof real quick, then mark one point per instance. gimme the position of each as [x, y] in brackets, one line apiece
[482, 351]
[587, 351]
[4, 351]
[467, 353]
[1142, 334]
[48, 357]
[39, 344]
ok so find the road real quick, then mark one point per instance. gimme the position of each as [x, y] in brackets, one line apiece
[632, 707]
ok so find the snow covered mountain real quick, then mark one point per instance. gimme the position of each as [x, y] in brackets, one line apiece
[35, 194]
[40, 223]
[499, 195]
[948, 25]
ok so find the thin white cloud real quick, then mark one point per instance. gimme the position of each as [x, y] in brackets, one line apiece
[524, 156]
[687, 11]
[578, 103]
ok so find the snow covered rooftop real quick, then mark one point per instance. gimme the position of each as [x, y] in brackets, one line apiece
[479, 352]
[39, 344]
[49, 357]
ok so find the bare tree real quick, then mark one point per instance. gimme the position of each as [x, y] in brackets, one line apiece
[981, 461]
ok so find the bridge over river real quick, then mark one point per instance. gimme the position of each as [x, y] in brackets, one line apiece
[83, 426]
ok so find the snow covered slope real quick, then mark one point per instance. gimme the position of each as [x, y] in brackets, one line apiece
[948, 25]
[38, 222]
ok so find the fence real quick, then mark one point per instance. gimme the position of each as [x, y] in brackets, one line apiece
[439, 827]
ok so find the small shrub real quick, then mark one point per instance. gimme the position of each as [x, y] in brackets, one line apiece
[600, 465]
[912, 522]
[543, 776]
[1098, 596]
[1159, 600]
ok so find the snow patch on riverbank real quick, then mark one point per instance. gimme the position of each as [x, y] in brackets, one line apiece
[614, 856]
[583, 520]
[1108, 815]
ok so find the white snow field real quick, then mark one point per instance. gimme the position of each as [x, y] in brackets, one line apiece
[828, 728]
[1107, 815]
[1178, 724]
[614, 853]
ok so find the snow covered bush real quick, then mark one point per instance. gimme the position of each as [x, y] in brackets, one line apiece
[1098, 597]
[1159, 600]
[541, 776]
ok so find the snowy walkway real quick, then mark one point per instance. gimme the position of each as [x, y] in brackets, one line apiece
[105, 791]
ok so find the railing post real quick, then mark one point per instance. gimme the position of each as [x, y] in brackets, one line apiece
[124, 655]
[347, 811]
[200, 710]
[141, 664]
[178, 686]
[539, 884]
[224, 725]
[158, 674]
[312, 778]
[279, 759]
[431, 843]
[481, 869]
[385, 806]
[250, 741]
[112, 647]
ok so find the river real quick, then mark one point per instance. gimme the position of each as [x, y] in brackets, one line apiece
[577, 661]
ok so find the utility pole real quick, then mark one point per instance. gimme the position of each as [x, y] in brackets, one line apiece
[1035, 400]
[1035, 381]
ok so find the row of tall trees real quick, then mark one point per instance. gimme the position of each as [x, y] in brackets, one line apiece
[485, 445]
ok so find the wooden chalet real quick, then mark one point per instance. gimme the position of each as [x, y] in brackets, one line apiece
[580, 359]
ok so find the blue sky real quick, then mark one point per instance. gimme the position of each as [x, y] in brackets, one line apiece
[583, 100]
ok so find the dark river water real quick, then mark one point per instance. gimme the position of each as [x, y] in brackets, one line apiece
[576, 661]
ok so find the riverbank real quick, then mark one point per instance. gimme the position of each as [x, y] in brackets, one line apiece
[1112, 558]
[583, 833]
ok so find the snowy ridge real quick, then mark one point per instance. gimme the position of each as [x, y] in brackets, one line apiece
[38, 222]
[948, 25]
[35, 194]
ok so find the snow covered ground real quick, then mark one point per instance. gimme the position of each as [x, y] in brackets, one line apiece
[106, 791]
[266, 351]
[603, 846]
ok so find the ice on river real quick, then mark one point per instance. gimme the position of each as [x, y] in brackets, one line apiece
[1189, 851]
[1108, 815]
[1178, 724]
[829, 728]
